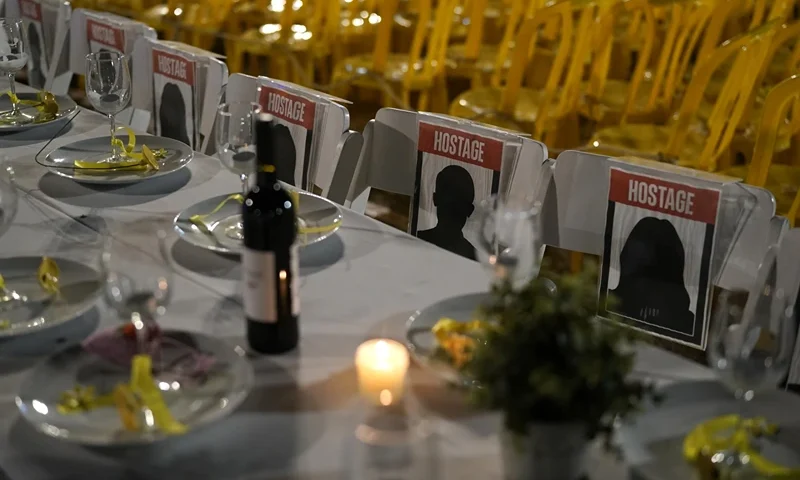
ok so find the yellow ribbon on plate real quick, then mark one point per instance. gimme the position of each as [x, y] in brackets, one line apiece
[714, 436]
[199, 220]
[139, 161]
[129, 399]
[45, 104]
[48, 275]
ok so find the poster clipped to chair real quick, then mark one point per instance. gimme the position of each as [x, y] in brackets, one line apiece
[104, 36]
[456, 170]
[657, 251]
[174, 96]
[32, 19]
[296, 115]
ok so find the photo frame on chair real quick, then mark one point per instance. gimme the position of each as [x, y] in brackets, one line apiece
[46, 24]
[178, 89]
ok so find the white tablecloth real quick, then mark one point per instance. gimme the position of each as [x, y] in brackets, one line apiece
[299, 420]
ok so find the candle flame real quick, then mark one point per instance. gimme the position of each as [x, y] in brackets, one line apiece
[385, 398]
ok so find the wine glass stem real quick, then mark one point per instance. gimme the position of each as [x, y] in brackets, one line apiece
[114, 148]
[13, 88]
[244, 178]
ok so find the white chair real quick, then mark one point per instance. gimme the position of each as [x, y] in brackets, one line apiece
[91, 31]
[46, 23]
[428, 156]
[318, 123]
[179, 88]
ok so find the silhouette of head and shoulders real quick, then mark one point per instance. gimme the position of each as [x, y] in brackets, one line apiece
[651, 286]
[286, 160]
[35, 73]
[172, 114]
[453, 198]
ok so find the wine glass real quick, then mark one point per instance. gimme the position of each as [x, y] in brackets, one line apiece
[8, 195]
[108, 87]
[13, 57]
[509, 239]
[137, 283]
[751, 346]
[236, 145]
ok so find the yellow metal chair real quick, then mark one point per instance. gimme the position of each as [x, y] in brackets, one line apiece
[294, 50]
[543, 112]
[782, 180]
[475, 59]
[420, 70]
[649, 95]
[682, 141]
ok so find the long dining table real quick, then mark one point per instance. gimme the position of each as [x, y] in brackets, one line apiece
[299, 420]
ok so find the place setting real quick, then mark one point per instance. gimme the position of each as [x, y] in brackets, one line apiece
[215, 223]
[123, 157]
[25, 111]
[135, 382]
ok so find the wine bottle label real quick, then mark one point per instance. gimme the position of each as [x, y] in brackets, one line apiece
[260, 296]
[262, 284]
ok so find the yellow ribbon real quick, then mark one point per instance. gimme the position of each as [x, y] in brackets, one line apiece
[129, 399]
[714, 435]
[45, 104]
[47, 275]
[199, 220]
[139, 161]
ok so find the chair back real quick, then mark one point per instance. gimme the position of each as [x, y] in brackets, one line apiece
[520, 10]
[776, 108]
[475, 9]
[748, 51]
[640, 12]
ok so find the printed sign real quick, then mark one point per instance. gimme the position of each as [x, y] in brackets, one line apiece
[104, 37]
[173, 95]
[456, 170]
[31, 13]
[297, 115]
[659, 241]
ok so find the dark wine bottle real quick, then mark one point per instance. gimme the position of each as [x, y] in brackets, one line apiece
[270, 257]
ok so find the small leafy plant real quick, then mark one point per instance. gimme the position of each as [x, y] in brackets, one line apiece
[547, 359]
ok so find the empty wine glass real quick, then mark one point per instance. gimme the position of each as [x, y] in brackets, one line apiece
[13, 57]
[236, 145]
[108, 87]
[509, 239]
[8, 195]
[751, 345]
[137, 283]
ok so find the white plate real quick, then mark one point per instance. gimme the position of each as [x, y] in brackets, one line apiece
[61, 160]
[66, 106]
[314, 211]
[80, 287]
[194, 403]
[421, 342]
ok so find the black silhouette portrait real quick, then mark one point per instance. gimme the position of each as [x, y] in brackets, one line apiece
[286, 156]
[651, 285]
[453, 198]
[35, 72]
[172, 114]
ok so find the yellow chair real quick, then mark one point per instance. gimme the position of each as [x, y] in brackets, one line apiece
[294, 50]
[649, 95]
[682, 141]
[543, 112]
[782, 180]
[420, 70]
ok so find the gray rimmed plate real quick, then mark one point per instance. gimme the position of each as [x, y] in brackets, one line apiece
[66, 106]
[314, 211]
[61, 160]
[192, 402]
[79, 284]
[421, 341]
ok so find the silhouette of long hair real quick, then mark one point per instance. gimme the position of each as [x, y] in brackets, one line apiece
[651, 274]
[35, 74]
[286, 154]
[172, 114]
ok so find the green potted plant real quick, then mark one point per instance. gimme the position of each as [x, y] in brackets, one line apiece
[559, 375]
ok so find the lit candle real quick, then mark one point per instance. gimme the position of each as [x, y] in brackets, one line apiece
[381, 365]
